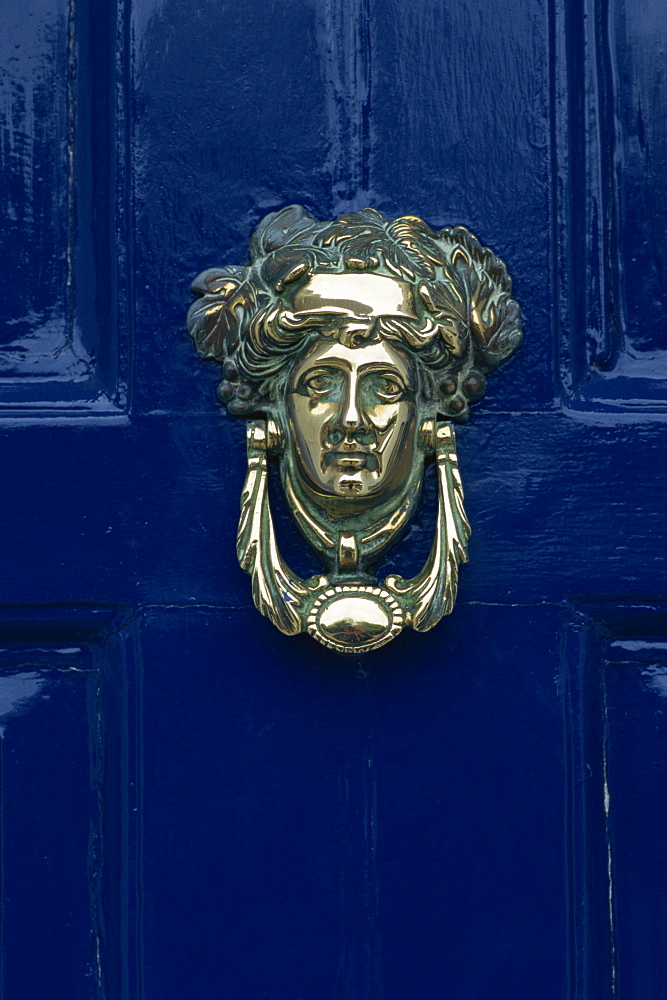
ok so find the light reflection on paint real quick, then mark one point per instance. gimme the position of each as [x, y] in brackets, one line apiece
[16, 692]
[656, 676]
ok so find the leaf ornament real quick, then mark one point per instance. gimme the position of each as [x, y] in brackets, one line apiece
[290, 225]
[227, 301]
[277, 592]
[492, 315]
[432, 592]
[407, 245]
[447, 302]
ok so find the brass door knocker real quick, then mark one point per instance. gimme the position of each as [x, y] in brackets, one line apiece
[354, 343]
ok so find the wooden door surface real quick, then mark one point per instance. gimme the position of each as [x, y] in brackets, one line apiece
[192, 804]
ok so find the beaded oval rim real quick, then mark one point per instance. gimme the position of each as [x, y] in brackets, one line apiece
[355, 618]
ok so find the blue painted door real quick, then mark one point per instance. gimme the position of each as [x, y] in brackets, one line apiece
[193, 805]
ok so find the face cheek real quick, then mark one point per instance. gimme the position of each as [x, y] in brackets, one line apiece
[382, 416]
[396, 433]
[307, 419]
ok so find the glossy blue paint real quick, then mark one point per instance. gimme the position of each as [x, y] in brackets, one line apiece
[191, 803]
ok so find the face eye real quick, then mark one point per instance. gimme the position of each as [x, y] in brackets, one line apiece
[319, 383]
[386, 387]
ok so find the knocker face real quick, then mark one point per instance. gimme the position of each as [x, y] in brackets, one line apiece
[351, 409]
[352, 419]
[354, 344]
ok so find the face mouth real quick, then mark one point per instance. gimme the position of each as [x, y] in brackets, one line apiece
[350, 461]
[350, 486]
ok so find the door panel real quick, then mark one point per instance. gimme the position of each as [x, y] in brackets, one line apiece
[636, 735]
[68, 789]
[633, 695]
[614, 745]
[63, 348]
[192, 802]
[360, 840]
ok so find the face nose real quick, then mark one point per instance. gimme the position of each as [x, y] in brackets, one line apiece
[351, 415]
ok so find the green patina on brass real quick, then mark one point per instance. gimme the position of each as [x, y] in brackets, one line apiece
[354, 344]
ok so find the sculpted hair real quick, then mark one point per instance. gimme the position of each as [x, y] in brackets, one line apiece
[467, 321]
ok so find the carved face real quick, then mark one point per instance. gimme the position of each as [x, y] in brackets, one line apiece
[352, 418]
[351, 410]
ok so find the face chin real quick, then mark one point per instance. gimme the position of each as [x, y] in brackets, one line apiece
[351, 477]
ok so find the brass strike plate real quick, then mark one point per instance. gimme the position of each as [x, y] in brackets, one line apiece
[354, 344]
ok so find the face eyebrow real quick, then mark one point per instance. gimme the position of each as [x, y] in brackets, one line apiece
[338, 364]
[329, 364]
[383, 368]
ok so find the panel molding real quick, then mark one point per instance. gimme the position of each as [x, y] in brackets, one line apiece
[600, 366]
[66, 331]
